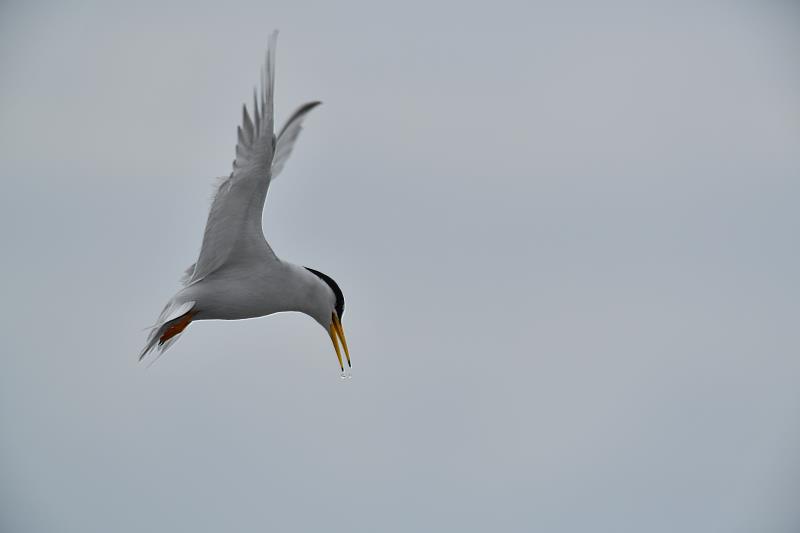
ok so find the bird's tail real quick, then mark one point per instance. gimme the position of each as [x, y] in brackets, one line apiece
[171, 323]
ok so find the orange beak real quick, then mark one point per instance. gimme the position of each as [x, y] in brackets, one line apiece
[337, 334]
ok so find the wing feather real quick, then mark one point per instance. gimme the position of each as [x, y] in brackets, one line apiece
[256, 114]
[248, 126]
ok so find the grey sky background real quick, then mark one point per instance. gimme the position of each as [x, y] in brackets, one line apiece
[567, 238]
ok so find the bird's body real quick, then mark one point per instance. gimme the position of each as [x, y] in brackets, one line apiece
[249, 291]
[237, 275]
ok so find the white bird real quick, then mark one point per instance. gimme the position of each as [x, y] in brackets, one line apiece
[237, 275]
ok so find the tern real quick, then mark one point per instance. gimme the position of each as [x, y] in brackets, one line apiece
[237, 275]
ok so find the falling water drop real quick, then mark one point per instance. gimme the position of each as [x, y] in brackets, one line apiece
[343, 375]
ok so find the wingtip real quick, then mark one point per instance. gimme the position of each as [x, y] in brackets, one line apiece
[272, 44]
[305, 108]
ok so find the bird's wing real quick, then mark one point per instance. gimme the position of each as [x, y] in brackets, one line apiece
[235, 215]
[288, 136]
[234, 227]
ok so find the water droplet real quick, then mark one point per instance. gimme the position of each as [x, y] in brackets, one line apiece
[343, 375]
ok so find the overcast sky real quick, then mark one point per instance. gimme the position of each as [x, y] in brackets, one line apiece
[568, 240]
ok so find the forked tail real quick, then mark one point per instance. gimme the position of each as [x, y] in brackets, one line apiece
[171, 323]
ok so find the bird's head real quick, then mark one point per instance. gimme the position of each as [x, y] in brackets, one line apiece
[329, 315]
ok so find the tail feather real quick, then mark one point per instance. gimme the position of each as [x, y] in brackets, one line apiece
[170, 324]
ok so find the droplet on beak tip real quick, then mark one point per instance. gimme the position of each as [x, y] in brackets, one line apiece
[343, 375]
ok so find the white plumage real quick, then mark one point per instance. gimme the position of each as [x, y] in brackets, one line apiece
[237, 275]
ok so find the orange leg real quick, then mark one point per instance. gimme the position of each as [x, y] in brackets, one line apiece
[177, 325]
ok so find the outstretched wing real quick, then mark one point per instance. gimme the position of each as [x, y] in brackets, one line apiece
[288, 136]
[234, 221]
[235, 215]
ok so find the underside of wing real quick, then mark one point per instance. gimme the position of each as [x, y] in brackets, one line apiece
[234, 221]
[235, 213]
[288, 136]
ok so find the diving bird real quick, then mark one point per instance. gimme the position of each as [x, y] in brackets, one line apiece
[237, 275]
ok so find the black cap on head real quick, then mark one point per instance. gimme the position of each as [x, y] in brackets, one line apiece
[334, 287]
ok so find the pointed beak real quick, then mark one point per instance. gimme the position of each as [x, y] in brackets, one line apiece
[337, 334]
